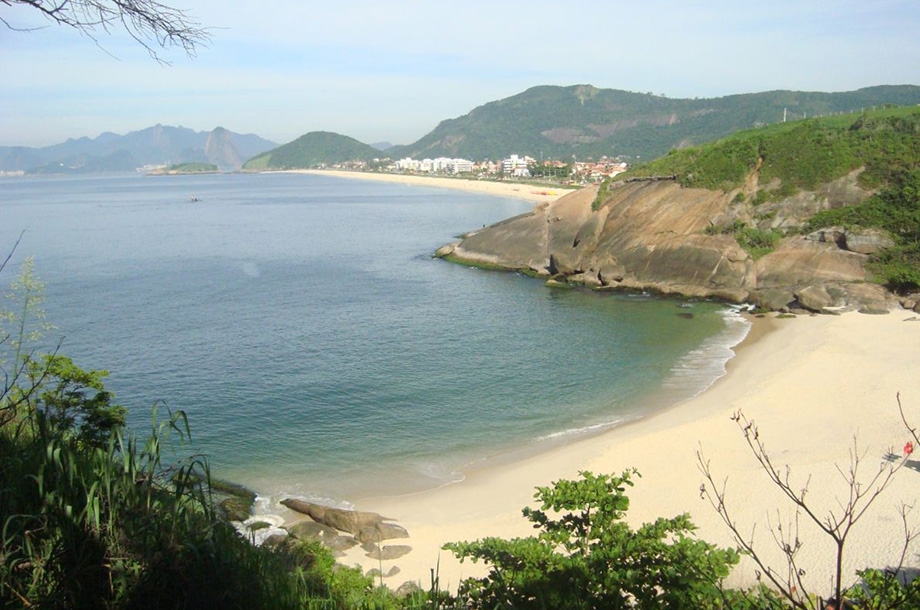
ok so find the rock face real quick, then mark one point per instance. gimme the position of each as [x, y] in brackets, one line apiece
[221, 151]
[652, 235]
[351, 521]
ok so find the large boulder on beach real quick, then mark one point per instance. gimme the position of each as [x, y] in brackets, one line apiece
[391, 551]
[340, 543]
[406, 589]
[344, 520]
[310, 530]
[381, 531]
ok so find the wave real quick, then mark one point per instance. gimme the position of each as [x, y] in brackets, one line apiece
[700, 368]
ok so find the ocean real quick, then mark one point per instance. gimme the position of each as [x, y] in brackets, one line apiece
[317, 347]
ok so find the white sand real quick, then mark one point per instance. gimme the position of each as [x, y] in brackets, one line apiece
[512, 190]
[811, 384]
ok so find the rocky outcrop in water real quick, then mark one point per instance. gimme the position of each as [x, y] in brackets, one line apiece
[658, 236]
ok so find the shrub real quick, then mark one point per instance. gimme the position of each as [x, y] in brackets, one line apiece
[587, 556]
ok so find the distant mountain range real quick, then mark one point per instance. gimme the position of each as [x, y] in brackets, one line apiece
[157, 145]
[548, 122]
[581, 120]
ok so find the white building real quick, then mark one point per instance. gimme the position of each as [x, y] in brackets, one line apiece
[516, 166]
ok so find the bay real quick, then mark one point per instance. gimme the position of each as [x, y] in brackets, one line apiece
[317, 347]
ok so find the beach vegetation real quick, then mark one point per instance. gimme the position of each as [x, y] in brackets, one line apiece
[799, 156]
[587, 556]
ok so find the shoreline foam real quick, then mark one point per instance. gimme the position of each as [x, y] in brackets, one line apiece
[811, 384]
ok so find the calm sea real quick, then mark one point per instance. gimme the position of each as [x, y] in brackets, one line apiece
[317, 347]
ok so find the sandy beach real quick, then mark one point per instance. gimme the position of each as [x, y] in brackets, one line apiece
[812, 384]
[512, 190]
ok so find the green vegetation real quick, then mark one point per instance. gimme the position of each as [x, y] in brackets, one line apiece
[587, 556]
[801, 155]
[895, 209]
[313, 149]
[191, 168]
[559, 122]
[755, 242]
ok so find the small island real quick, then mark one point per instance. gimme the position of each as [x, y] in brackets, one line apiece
[182, 169]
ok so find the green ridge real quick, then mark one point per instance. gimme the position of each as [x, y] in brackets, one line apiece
[313, 149]
[581, 120]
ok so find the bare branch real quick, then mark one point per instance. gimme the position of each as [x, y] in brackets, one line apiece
[151, 24]
[836, 524]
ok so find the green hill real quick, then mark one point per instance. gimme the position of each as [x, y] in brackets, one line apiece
[774, 164]
[800, 155]
[585, 121]
[312, 149]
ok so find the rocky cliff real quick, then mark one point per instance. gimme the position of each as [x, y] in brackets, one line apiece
[659, 236]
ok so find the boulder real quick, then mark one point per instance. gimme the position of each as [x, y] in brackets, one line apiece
[394, 551]
[310, 530]
[774, 299]
[350, 521]
[406, 589]
[446, 250]
[874, 309]
[829, 235]
[815, 297]
[381, 531]
[375, 573]
[867, 241]
[236, 509]
[302, 506]
[274, 541]
[917, 308]
[340, 543]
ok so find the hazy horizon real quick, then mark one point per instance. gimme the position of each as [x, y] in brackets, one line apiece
[379, 74]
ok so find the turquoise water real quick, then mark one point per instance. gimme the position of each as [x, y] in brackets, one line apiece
[316, 346]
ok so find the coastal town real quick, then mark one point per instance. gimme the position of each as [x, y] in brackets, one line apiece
[514, 166]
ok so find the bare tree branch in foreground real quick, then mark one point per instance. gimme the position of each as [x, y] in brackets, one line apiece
[151, 24]
[859, 495]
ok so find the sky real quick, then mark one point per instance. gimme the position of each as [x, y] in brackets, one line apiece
[391, 71]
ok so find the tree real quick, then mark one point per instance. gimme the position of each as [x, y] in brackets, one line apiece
[586, 556]
[150, 23]
[859, 492]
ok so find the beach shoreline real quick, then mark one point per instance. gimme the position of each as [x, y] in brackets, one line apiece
[512, 190]
[811, 383]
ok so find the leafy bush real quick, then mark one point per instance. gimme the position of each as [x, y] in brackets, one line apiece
[587, 556]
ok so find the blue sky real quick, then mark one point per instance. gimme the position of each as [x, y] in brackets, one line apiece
[392, 70]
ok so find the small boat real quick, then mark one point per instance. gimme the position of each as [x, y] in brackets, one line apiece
[193, 199]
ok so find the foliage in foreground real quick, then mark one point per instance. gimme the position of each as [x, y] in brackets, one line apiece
[91, 517]
[587, 556]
